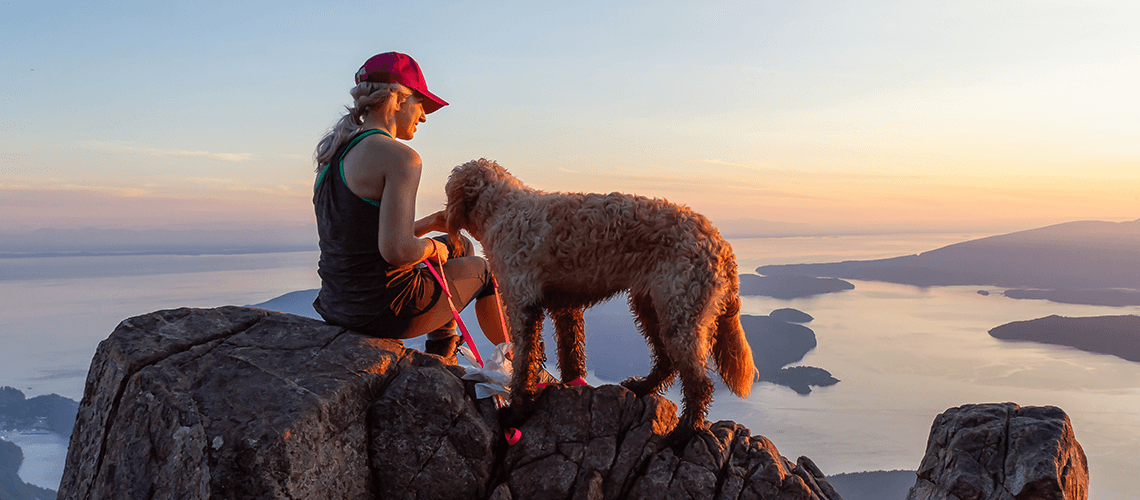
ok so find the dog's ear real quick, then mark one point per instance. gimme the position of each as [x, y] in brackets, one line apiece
[463, 188]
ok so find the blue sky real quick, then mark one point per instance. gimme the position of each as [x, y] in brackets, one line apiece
[870, 114]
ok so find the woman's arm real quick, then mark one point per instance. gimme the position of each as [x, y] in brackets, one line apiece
[396, 238]
[387, 170]
[433, 222]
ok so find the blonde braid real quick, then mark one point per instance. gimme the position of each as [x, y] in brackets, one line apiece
[365, 95]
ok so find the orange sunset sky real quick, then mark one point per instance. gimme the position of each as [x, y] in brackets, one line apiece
[860, 116]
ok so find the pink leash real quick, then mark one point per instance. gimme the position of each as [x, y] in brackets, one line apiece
[512, 435]
[455, 312]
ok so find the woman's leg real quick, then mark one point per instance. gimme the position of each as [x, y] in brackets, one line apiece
[467, 277]
[490, 314]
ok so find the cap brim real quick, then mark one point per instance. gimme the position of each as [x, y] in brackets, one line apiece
[431, 103]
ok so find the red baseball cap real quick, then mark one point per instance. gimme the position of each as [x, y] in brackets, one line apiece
[394, 67]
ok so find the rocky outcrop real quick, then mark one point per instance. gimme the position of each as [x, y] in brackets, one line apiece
[245, 403]
[1002, 452]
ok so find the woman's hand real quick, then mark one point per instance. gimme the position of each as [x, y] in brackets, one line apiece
[433, 222]
[440, 254]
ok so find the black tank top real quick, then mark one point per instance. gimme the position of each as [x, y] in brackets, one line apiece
[357, 284]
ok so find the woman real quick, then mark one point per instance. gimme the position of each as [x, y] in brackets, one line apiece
[372, 280]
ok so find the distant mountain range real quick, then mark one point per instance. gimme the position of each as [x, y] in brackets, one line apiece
[104, 241]
[1065, 258]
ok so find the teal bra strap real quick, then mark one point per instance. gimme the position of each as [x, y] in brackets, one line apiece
[340, 162]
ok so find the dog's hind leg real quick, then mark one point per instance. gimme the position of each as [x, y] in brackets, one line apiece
[696, 387]
[687, 332]
[569, 330]
[663, 371]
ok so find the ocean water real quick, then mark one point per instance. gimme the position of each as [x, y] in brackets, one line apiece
[903, 354]
[44, 455]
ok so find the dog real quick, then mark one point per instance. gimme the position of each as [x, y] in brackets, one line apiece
[560, 253]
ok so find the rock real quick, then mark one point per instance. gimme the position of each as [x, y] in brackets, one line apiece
[1002, 452]
[244, 403]
[227, 403]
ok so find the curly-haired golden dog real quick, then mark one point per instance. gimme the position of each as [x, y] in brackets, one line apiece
[563, 252]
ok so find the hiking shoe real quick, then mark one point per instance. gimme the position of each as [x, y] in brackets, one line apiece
[445, 348]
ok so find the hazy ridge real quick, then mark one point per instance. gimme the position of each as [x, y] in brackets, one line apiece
[46, 242]
[1074, 256]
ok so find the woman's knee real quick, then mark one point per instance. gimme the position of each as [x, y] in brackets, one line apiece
[459, 247]
[473, 274]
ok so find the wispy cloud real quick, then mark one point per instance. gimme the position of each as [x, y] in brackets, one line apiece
[114, 147]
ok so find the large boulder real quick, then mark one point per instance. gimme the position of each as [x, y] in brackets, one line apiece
[1002, 452]
[241, 403]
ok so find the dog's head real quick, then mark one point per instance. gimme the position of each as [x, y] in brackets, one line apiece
[470, 188]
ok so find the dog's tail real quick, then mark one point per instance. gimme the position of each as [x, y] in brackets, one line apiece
[731, 352]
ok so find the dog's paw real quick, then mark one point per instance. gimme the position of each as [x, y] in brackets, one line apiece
[518, 412]
[681, 436]
[573, 383]
[639, 386]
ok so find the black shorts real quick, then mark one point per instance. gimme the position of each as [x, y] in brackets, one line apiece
[420, 293]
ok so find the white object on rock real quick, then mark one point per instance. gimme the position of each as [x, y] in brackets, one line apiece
[494, 378]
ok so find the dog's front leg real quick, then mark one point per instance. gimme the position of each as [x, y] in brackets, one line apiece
[569, 330]
[526, 330]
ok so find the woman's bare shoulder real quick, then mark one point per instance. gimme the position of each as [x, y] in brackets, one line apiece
[384, 149]
[377, 161]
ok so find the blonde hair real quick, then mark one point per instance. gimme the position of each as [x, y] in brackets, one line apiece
[365, 96]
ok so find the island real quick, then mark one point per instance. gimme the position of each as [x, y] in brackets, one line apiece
[791, 315]
[50, 412]
[789, 287]
[1110, 297]
[1084, 262]
[11, 486]
[1115, 335]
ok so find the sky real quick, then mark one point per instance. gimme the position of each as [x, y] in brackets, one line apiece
[833, 116]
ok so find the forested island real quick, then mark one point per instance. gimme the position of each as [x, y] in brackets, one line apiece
[1115, 335]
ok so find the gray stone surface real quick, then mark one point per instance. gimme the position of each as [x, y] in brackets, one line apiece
[233, 403]
[1002, 452]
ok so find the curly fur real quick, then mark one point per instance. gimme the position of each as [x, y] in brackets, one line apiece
[563, 252]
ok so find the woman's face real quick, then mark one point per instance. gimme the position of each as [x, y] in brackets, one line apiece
[410, 114]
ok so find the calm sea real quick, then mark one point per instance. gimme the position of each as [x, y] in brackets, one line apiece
[903, 354]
